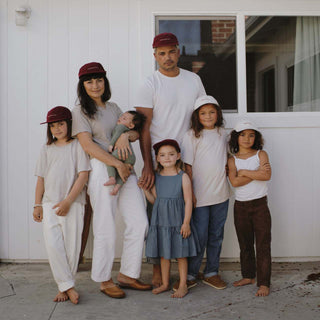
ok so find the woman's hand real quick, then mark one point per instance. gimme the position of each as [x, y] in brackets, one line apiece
[37, 214]
[123, 147]
[185, 230]
[124, 170]
[62, 207]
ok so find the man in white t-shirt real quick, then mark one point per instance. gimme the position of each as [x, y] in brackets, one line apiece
[166, 99]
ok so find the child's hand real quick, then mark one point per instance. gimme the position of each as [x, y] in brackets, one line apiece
[37, 214]
[110, 149]
[62, 207]
[265, 167]
[185, 230]
[240, 173]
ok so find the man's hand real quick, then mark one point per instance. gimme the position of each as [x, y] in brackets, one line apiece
[146, 180]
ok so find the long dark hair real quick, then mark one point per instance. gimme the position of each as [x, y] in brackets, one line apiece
[234, 145]
[88, 106]
[198, 127]
[51, 139]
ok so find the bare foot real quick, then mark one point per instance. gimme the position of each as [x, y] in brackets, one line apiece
[110, 182]
[161, 289]
[115, 190]
[156, 277]
[243, 282]
[263, 291]
[181, 292]
[61, 297]
[73, 295]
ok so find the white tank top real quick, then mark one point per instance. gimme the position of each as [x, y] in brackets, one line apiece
[255, 189]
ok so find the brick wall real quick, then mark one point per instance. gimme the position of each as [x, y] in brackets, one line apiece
[222, 30]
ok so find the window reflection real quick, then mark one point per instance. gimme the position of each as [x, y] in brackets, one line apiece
[208, 48]
[283, 64]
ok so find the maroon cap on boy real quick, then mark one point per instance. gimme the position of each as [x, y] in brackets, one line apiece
[165, 39]
[166, 142]
[90, 68]
[58, 114]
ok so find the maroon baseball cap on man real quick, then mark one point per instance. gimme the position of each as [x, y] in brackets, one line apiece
[58, 114]
[165, 39]
[90, 68]
[166, 142]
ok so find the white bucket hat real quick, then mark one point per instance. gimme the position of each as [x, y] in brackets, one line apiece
[204, 100]
[245, 125]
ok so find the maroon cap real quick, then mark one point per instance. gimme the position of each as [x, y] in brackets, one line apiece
[90, 68]
[58, 114]
[165, 39]
[166, 142]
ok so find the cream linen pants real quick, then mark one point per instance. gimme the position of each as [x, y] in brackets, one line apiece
[129, 202]
[62, 237]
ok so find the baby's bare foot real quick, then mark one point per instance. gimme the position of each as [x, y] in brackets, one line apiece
[110, 182]
[115, 190]
[73, 295]
[263, 291]
[181, 292]
[161, 289]
[243, 282]
[61, 297]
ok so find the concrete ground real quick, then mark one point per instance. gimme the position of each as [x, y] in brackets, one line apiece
[27, 290]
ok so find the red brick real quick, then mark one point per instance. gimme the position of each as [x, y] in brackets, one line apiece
[225, 30]
[215, 25]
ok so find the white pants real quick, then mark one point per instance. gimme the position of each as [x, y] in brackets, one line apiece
[130, 204]
[62, 237]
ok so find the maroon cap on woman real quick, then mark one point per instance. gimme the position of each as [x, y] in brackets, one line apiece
[90, 68]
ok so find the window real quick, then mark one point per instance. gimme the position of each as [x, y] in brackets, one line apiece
[282, 59]
[207, 47]
[292, 45]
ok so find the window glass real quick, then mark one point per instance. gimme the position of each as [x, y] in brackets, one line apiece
[283, 63]
[207, 47]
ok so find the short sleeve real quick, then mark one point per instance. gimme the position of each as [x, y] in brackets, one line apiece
[145, 95]
[187, 148]
[83, 162]
[117, 109]
[80, 122]
[41, 163]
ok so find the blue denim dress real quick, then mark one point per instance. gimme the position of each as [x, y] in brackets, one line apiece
[164, 238]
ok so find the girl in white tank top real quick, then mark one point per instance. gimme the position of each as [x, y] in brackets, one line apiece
[249, 171]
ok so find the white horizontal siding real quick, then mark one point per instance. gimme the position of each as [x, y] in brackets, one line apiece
[39, 66]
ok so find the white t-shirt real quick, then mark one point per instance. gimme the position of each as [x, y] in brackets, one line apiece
[208, 157]
[172, 100]
[100, 126]
[255, 189]
[59, 166]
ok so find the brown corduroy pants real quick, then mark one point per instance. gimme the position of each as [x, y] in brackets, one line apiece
[252, 221]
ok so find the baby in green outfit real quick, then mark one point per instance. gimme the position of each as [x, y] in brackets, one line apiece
[130, 120]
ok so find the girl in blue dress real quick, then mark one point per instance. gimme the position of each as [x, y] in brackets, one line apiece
[170, 235]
